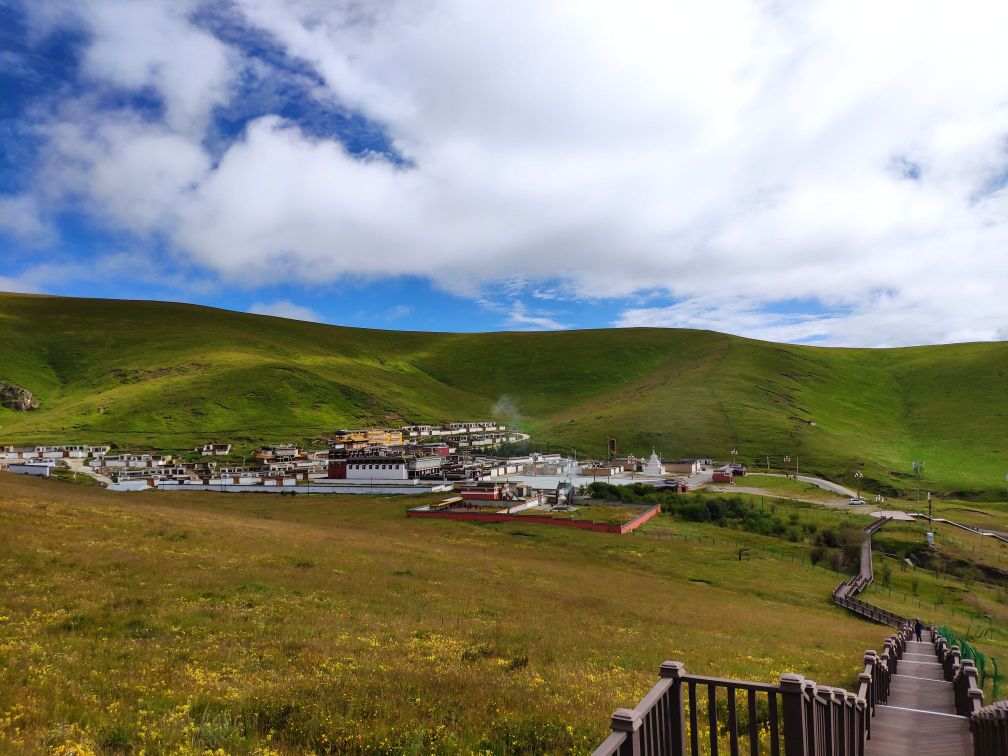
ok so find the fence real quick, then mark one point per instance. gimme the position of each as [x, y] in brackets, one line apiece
[989, 724]
[844, 594]
[684, 712]
[601, 527]
[968, 651]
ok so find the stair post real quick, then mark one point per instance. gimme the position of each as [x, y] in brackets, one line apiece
[625, 720]
[676, 709]
[794, 714]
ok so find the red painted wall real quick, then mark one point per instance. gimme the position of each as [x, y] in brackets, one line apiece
[599, 527]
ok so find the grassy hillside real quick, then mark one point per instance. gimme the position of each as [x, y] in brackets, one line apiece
[150, 373]
[184, 623]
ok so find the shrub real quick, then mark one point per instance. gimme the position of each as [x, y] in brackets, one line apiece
[826, 537]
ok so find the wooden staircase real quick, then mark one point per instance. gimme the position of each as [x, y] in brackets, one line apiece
[920, 717]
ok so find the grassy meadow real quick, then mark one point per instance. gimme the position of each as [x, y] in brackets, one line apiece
[171, 376]
[186, 623]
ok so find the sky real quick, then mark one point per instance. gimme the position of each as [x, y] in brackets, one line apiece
[829, 172]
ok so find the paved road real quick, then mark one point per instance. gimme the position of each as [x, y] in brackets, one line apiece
[78, 466]
[826, 485]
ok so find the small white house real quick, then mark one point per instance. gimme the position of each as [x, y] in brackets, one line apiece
[39, 467]
[392, 468]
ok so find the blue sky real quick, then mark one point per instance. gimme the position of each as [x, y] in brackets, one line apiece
[825, 172]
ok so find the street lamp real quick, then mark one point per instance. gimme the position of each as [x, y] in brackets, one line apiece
[787, 469]
[858, 476]
[734, 452]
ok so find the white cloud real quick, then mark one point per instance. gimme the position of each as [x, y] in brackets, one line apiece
[21, 217]
[153, 44]
[284, 308]
[133, 174]
[734, 155]
[398, 312]
[19, 285]
[519, 318]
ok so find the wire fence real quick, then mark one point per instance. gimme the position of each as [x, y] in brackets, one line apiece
[968, 651]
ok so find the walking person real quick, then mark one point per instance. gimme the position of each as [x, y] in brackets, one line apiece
[918, 629]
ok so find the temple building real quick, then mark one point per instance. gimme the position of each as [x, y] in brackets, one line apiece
[654, 465]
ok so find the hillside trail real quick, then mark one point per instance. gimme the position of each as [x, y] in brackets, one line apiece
[919, 717]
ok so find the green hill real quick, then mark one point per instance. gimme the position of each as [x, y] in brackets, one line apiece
[173, 375]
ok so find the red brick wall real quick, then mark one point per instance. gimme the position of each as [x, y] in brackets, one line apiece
[599, 527]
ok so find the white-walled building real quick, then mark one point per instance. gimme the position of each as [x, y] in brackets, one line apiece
[654, 465]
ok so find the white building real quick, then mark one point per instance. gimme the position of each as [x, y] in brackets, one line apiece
[392, 468]
[40, 467]
[654, 465]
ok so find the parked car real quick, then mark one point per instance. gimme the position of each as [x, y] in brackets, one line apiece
[857, 501]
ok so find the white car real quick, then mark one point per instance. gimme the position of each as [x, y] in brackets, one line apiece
[855, 502]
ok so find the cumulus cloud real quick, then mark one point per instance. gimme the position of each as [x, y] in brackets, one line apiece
[135, 45]
[284, 308]
[520, 318]
[850, 155]
[21, 217]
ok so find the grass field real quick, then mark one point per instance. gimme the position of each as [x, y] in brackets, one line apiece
[172, 376]
[177, 623]
[611, 513]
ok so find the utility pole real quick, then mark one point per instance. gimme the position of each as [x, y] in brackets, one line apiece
[930, 535]
[918, 469]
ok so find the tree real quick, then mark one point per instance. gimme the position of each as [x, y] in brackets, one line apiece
[817, 554]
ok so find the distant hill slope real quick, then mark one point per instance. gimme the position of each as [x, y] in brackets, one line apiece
[172, 375]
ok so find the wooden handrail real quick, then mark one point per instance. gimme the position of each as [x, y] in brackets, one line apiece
[843, 594]
[989, 726]
[802, 718]
[683, 712]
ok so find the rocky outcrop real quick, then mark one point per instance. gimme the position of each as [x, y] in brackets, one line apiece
[16, 398]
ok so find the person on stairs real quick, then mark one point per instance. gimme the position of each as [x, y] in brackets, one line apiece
[918, 629]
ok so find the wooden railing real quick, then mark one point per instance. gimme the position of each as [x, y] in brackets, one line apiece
[844, 594]
[990, 730]
[684, 711]
[989, 724]
[686, 715]
[844, 597]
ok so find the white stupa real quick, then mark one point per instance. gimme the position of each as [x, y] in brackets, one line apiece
[654, 465]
